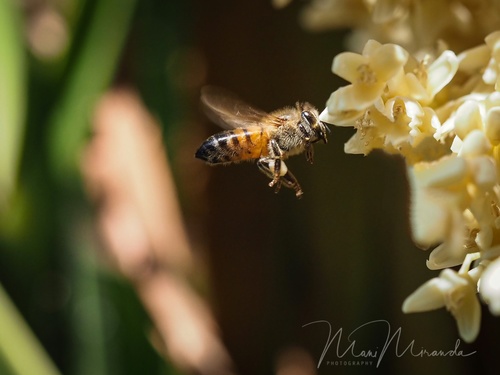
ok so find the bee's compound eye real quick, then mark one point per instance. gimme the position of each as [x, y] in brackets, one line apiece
[308, 117]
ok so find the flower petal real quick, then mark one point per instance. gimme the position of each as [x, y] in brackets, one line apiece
[438, 197]
[441, 257]
[468, 316]
[474, 59]
[429, 296]
[415, 88]
[353, 98]
[489, 287]
[491, 72]
[445, 172]
[493, 42]
[346, 65]
[468, 118]
[475, 144]
[441, 72]
[484, 173]
[387, 61]
[492, 125]
[370, 47]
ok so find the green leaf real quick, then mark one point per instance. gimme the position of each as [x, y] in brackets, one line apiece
[93, 69]
[12, 97]
[18, 345]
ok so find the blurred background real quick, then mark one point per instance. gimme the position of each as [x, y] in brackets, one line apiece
[120, 253]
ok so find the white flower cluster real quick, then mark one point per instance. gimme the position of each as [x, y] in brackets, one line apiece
[443, 116]
[413, 24]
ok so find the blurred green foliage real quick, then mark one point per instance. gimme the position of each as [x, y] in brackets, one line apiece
[12, 97]
[93, 65]
[88, 320]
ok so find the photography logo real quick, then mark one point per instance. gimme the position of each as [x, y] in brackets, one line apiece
[350, 349]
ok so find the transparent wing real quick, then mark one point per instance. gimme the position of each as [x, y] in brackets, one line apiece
[228, 111]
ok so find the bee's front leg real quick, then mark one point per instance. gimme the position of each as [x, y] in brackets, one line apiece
[309, 153]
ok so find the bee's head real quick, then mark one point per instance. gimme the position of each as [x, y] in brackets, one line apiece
[311, 125]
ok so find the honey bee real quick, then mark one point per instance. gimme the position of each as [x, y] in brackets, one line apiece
[267, 138]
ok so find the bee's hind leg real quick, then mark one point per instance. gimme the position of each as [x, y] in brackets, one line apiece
[285, 177]
[289, 180]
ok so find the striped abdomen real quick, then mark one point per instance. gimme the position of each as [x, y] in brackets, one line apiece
[234, 145]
